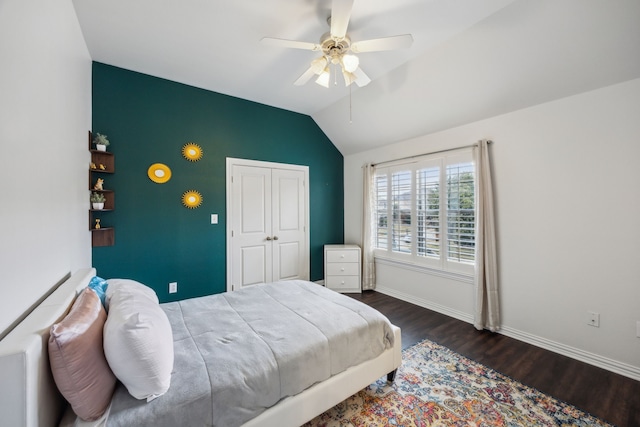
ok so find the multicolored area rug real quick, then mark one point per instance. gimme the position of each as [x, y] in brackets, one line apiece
[438, 387]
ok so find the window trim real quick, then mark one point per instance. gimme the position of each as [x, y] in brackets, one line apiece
[442, 264]
[384, 259]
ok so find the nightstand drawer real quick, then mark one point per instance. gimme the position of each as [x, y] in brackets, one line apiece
[343, 282]
[343, 269]
[343, 256]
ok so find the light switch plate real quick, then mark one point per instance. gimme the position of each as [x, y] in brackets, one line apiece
[214, 218]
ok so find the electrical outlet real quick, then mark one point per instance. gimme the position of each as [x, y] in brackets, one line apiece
[593, 319]
[173, 287]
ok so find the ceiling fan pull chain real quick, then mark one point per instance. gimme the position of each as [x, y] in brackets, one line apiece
[350, 113]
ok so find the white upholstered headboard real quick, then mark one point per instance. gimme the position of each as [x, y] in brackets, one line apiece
[28, 395]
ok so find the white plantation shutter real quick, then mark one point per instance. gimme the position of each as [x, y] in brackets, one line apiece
[460, 213]
[401, 201]
[381, 216]
[426, 212]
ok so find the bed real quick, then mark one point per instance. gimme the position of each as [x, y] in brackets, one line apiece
[29, 396]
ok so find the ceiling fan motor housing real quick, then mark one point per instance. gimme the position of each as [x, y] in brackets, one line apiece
[334, 49]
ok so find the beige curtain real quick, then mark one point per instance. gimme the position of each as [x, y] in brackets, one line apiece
[368, 224]
[487, 309]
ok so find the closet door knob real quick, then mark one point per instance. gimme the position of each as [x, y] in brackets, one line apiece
[268, 237]
[275, 237]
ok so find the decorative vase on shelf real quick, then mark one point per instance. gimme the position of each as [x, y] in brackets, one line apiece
[101, 142]
[97, 200]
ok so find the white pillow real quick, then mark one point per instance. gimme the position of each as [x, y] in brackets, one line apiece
[130, 287]
[138, 341]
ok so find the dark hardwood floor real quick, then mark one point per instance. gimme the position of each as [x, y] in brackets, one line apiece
[610, 397]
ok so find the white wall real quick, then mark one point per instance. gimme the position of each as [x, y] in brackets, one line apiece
[45, 113]
[568, 196]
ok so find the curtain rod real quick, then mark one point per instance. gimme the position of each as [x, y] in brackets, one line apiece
[428, 154]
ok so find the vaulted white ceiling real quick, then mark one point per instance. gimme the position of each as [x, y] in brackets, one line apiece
[471, 59]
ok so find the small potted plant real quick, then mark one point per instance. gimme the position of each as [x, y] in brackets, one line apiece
[101, 142]
[97, 200]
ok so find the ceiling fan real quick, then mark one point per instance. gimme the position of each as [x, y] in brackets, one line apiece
[338, 50]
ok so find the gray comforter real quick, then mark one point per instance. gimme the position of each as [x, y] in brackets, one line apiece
[238, 353]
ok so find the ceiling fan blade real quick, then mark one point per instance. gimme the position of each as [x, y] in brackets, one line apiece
[362, 79]
[340, 14]
[269, 41]
[384, 43]
[305, 77]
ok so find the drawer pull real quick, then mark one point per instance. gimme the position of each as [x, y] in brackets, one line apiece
[342, 269]
[342, 256]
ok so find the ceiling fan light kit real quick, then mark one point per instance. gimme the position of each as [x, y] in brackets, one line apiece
[324, 77]
[350, 63]
[336, 45]
[348, 77]
[318, 65]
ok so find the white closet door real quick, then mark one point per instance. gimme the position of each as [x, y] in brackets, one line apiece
[251, 224]
[267, 223]
[288, 224]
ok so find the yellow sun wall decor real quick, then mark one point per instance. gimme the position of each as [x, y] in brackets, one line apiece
[159, 173]
[191, 199]
[192, 152]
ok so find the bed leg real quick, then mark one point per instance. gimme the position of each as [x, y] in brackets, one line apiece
[392, 375]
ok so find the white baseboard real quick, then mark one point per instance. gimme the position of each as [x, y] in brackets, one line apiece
[603, 362]
[615, 366]
[460, 315]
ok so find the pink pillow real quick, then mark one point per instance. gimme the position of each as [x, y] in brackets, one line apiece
[77, 359]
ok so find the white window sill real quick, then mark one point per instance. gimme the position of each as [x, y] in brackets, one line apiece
[393, 262]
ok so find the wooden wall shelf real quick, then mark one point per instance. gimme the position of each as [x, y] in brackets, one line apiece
[105, 235]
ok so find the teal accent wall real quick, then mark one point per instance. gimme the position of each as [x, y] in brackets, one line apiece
[158, 240]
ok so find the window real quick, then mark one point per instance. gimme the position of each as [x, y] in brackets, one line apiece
[426, 212]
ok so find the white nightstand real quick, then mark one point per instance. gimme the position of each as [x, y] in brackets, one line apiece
[342, 268]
